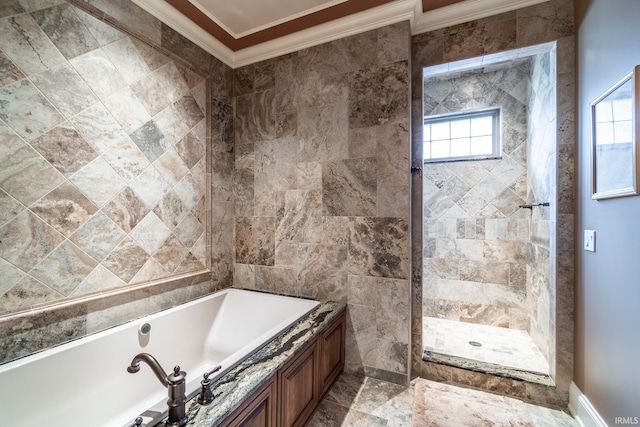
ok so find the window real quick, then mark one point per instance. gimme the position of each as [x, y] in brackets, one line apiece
[614, 121]
[462, 136]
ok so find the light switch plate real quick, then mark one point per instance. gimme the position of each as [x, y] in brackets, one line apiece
[590, 240]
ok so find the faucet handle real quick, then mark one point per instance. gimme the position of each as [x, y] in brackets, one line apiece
[138, 422]
[211, 372]
[177, 376]
[206, 396]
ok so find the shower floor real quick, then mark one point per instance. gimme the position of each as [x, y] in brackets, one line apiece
[502, 351]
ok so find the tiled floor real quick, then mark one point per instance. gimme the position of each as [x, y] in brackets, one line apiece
[500, 346]
[355, 401]
[366, 402]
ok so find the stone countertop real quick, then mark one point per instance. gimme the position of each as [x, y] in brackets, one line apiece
[235, 386]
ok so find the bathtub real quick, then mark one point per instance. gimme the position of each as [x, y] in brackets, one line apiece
[86, 383]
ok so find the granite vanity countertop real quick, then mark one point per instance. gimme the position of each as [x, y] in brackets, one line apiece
[235, 386]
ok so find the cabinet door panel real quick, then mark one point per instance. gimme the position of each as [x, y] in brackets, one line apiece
[260, 411]
[332, 353]
[299, 388]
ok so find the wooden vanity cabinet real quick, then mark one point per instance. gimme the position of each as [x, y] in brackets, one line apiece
[294, 392]
[332, 343]
[305, 379]
[299, 387]
[260, 410]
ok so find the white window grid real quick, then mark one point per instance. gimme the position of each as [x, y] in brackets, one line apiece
[469, 135]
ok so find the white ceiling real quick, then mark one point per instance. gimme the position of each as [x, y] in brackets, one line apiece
[241, 17]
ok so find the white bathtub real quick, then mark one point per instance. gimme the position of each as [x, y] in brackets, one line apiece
[86, 383]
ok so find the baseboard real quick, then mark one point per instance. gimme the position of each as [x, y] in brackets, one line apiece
[582, 410]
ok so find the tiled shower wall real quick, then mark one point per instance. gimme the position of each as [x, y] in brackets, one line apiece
[321, 183]
[542, 184]
[475, 233]
[546, 22]
[105, 150]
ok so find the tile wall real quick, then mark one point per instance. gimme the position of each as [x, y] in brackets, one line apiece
[551, 21]
[542, 184]
[321, 182]
[105, 169]
[475, 233]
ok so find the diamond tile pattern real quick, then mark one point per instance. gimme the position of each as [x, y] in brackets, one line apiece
[102, 154]
[475, 233]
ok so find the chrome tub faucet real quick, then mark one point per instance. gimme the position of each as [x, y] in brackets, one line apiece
[175, 384]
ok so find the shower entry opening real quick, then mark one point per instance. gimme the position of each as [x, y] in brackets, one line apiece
[489, 213]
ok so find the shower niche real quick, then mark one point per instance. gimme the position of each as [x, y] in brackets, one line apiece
[489, 213]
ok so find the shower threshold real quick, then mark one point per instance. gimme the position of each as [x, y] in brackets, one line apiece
[489, 349]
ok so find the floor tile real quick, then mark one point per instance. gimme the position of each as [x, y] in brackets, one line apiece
[364, 401]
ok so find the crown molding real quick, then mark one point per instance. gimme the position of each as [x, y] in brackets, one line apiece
[176, 20]
[465, 11]
[241, 34]
[386, 14]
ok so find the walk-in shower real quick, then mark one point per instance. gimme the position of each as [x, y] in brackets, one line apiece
[489, 213]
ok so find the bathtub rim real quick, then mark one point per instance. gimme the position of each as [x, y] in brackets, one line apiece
[38, 317]
[97, 335]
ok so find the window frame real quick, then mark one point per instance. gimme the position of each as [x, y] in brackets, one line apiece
[495, 113]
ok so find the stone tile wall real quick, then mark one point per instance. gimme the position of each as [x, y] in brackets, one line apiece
[106, 139]
[551, 21]
[321, 185]
[542, 184]
[475, 234]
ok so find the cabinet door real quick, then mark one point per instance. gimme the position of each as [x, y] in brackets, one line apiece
[299, 388]
[259, 411]
[332, 353]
